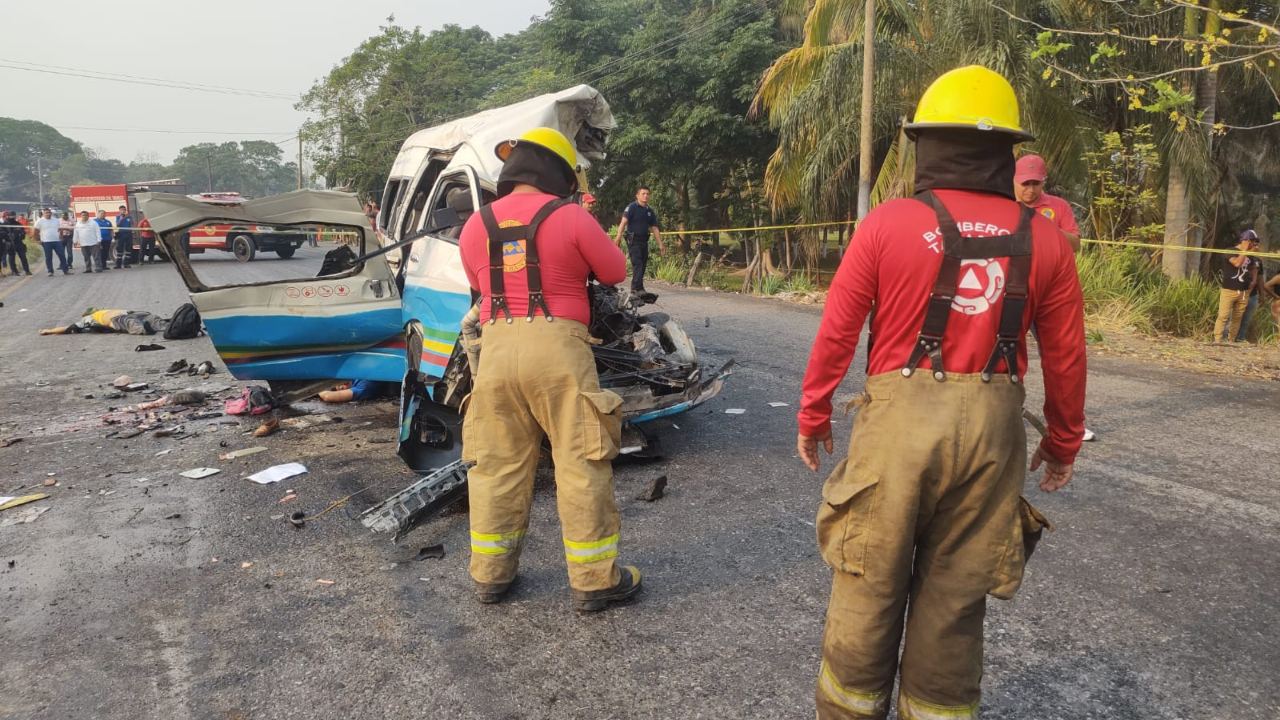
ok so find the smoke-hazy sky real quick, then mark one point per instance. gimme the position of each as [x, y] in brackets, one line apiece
[275, 46]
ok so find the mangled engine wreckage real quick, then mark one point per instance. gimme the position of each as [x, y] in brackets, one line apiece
[395, 305]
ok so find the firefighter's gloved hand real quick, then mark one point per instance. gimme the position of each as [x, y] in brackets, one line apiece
[1056, 474]
[807, 449]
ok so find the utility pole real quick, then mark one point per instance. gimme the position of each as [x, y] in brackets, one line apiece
[208, 166]
[868, 93]
[299, 159]
[40, 178]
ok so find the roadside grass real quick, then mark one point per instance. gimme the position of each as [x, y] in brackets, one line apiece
[1124, 288]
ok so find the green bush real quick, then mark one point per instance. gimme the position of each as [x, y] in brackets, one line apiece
[672, 268]
[799, 282]
[1122, 286]
[771, 285]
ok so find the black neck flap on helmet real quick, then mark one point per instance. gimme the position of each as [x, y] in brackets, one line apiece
[537, 166]
[961, 159]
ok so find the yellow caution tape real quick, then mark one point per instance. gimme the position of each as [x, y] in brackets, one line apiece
[758, 229]
[1184, 248]
[1117, 243]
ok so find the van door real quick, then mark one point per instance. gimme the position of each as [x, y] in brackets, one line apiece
[324, 313]
[436, 291]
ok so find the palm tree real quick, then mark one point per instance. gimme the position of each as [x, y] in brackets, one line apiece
[811, 93]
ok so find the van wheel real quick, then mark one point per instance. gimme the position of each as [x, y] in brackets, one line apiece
[285, 252]
[242, 247]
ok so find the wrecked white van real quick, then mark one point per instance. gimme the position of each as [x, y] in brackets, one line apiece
[388, 305]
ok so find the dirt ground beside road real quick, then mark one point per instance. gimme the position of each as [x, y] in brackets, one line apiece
[182, 598]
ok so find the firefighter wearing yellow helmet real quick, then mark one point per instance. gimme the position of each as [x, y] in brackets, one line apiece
[529, 255]
[925, 518]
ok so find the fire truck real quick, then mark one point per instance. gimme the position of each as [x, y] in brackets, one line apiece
[244, 241]
[109, 198]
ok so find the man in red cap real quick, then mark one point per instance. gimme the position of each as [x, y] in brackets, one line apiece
[588, 202]
[1028, 185]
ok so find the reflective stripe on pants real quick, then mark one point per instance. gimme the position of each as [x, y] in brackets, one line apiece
[910, 708]
[538, 379]
[593, 551]
[496, 543]
[861, 704]
[920, 522]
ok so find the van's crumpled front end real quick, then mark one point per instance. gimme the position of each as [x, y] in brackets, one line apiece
[647, 359]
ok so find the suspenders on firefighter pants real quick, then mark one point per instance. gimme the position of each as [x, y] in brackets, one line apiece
[924, 518]
[537, 378]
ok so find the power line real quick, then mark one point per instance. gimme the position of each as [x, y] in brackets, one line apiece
[177, 132]
[140, 80]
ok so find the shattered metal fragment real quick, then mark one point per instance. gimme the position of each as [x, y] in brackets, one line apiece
[430, 552]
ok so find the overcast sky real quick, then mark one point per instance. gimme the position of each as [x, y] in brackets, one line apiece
[272, 46]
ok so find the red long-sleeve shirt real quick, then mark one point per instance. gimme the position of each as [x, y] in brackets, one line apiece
[571, 245]
[893, 260]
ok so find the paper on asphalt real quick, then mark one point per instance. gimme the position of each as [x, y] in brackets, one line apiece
[276, 473]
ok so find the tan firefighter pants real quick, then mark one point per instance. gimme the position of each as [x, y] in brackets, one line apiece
[920, 523]
[539, 378]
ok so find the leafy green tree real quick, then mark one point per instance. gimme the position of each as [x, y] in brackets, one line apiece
[21, 141]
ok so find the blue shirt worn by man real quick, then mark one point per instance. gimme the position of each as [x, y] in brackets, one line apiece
[124, 228]
[105, 233]
[640, 218]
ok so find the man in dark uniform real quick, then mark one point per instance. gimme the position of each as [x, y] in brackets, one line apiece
[638, 220]
[124, 238]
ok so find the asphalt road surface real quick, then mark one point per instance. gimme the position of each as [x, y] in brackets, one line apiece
[177, 598]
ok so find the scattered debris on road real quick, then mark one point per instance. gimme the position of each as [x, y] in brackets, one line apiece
[325, 581]
[268, 427]
[148, 347]
[187, 397]
[430, 552]
[13, 502]
[243, 452]
[735, 411]
[778, 404]
[656, 489]
[254, 400]
[201, 472]
[122, 381]
[276, 473]
[23, 516]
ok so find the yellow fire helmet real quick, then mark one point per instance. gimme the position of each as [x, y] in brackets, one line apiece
[971, 97]
[546, 137]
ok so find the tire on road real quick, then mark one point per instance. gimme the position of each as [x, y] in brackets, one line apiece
[286, 252]
[243, 247]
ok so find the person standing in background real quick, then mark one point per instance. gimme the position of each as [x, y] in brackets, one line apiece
[638, 221]
[146, 239]
[1255, 295]
[1239, 276]
[88, 235]
[46, 229]
[105, 231]
[124, 238]
[6, 220]
[17, 247]
[1029, 179]
[66, 233]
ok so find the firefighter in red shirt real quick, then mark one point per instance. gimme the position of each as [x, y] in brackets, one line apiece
[927, 506]
[529, 254]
